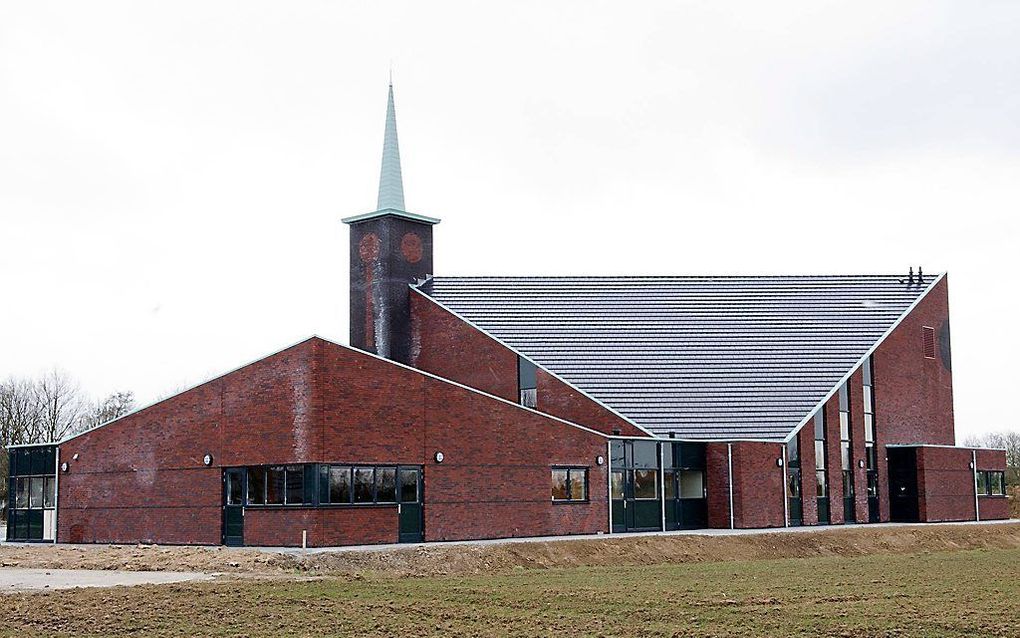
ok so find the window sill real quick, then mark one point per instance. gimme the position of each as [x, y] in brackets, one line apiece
[309, 506]
[563, 501]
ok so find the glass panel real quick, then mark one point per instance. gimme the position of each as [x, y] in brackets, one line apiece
[691, 455]
[820, 425]
[559, 485]
[669, 484]
[867, 399]
[409, 486]
[295, 485]
[848, 484]
[363, 480]
[275, 484]
[822, 483]
[386, 484]
[844, 426]
[692, 484]
[646, 483]
[872, 484]
[998, 483]
[982, 482]
[866, 369]
[616, 485]
[529, 397]
[233, 488]
[844, 401]
[339, 484]
[844, 454]
[527, 374]
[869, 428]
[21, 499]
[793, 452]
[256, 485]
[616, 454]
[35, 492]
[50, 492]
[578, 484]
[819, 455]
[872, 457]
[646, 454]
[793, 485]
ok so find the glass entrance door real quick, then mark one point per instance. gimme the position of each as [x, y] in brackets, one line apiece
[233, 506]
[635, 496]
[409, 505]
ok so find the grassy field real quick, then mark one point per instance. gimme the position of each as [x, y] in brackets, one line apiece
[961, 593]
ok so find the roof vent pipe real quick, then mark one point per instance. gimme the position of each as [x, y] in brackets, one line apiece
[920, 277]
[910, 277]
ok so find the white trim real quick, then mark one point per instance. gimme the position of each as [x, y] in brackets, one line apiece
[786, 491]
[729, 466]
[871, 350]
[56, 495]
[948, 447]
[974, 471]
[390, 212]
[521, 354]
[609, 484]
[662, 484]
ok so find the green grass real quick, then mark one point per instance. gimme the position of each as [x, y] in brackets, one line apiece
[966, 593]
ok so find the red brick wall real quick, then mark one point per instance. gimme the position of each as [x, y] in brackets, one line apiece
[449, 347]
[992, 507]
[945, 482]
[560, 399]
[758, 493]
[914, 395]
[142, 478]
[808, 479]
[717, 481]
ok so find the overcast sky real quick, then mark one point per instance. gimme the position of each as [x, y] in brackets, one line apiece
[172, 174]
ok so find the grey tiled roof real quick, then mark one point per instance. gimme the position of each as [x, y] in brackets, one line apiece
[704, 357]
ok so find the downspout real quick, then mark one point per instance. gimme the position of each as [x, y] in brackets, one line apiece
[662, 484]
[786, 490]
[56, 493]
[973, 465]
[609, 485]
[729, 466]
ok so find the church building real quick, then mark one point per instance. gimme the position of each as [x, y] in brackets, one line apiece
[494, 407]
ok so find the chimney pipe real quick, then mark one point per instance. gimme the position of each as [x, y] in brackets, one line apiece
[920, 276]
[910, 277]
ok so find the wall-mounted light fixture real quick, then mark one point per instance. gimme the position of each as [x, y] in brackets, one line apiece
[600, 460]
[439, 457]
[971, 465]
[207, 460]
[779, 462]
[63, 466]
[75, 457]
[860, 463]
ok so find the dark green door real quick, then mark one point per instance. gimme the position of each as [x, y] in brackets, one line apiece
[233, 506]
[409, 505]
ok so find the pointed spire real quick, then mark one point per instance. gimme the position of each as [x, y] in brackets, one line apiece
[391, 183]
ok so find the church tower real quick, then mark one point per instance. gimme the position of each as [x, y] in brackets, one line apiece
[390, 249]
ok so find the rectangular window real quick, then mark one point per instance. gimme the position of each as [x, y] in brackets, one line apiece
[276, 484]
[646, 454]
[527, 382]
[821, 481]
[616, 485]
[256, 486]
[50, 492]
[997, 483]
[339, 484]
[386, 485]
[364, 480]
[21, 498]
[617, 454]
[646, 484]
[35, 492]
[692, 484]
[928, 342]
[793, 452]
[669, 484]
[982, 483]
[295, 485]
[570, 484]
[409, 486]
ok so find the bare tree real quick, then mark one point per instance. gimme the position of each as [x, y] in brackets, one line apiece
[112, 407]
[61, 405]
[20, 417]
[1008, 440]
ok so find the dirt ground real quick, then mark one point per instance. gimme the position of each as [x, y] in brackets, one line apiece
[439, 559]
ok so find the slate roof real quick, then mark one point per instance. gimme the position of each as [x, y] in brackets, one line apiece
[704, 357]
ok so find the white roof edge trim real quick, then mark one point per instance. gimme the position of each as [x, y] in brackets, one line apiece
[179, 393]
[383, 212]
[947, 447]
[340, 345]
[521, 354]
[871, 351]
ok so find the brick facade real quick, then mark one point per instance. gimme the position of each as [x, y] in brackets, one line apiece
[142, 478]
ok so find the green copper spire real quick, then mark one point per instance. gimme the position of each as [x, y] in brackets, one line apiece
[391, 183]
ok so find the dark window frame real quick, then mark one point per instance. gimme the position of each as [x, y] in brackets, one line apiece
[989, 479]
[570, 470]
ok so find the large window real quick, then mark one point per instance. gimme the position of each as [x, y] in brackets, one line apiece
[32, 494]
[321, 484]
[991, 483]
[794, 503]
[821, 468]
[870, 451]
[276, 485]
[346, 485]
[570, 484]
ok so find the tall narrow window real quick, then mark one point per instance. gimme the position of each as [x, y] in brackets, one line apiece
[870, 451]
[795, 505]
[527, 382]
[846, 454]
[821, 468]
